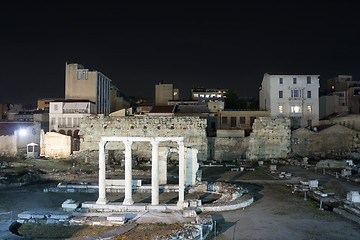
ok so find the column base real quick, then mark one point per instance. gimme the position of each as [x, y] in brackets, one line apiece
[101, 201]
[154, 203]
[128, 202]
[180, 204]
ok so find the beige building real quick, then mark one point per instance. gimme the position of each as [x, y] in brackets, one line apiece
[81, 83]
[44, 103]
[239, 119]
[165, 92]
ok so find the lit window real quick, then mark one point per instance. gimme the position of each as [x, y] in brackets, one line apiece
[212, 95]
[202, 95]
[309, 109]
[219, 95]
[196, 95]
[295, 109]
[207, 96]
[281, 109]
[333, 87]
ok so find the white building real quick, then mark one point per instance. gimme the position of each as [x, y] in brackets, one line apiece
[294, 96]
[65, 115]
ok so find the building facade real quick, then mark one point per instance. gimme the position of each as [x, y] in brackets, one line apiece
[81, 83]
[65, 115]
[165, 92]
[293, 96]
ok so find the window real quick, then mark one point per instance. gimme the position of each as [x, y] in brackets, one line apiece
[55, 107]
[233, 122]
[295, 141]
[296, 93]
[69, 122]
[52, 121]
[309, 122]
[308, 109]
[224, 120]
[308, 80]
[280, 80]
[242, 120]
[308, 94]
[295, 109]
[294, 80]
[281, 109]
[280, 94]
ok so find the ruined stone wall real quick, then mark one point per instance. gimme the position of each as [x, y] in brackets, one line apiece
[270, 138]
[193, 129]
[55, 145]
[8, 146]
[335, 141]
[230, 148]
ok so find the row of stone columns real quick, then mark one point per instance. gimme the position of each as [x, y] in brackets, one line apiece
[128, 168]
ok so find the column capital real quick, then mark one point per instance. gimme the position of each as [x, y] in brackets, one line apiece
[128, 143]
[102, 143]
[155, 142]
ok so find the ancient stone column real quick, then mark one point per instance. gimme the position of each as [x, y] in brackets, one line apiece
[163, 153]
[181, 173]
[155, 173]
[128, 174]
[102, 177]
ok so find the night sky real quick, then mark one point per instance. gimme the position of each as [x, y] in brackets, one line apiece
[138, 45]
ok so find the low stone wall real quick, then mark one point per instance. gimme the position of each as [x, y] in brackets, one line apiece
[241, 202]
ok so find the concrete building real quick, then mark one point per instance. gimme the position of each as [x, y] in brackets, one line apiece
[291, 95]
[81, 83]
[208, 94]
[165, 92]
[65, 115]
[117, 99]
[233, 120]
[343, 96]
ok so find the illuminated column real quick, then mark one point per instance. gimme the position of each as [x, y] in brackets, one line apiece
[181, 173]
[128, 174]
[155, 173]
[102, 166]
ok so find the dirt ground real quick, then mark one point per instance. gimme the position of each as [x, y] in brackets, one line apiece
[275, 214]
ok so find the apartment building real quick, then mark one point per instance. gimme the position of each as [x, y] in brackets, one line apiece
[291, 95]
